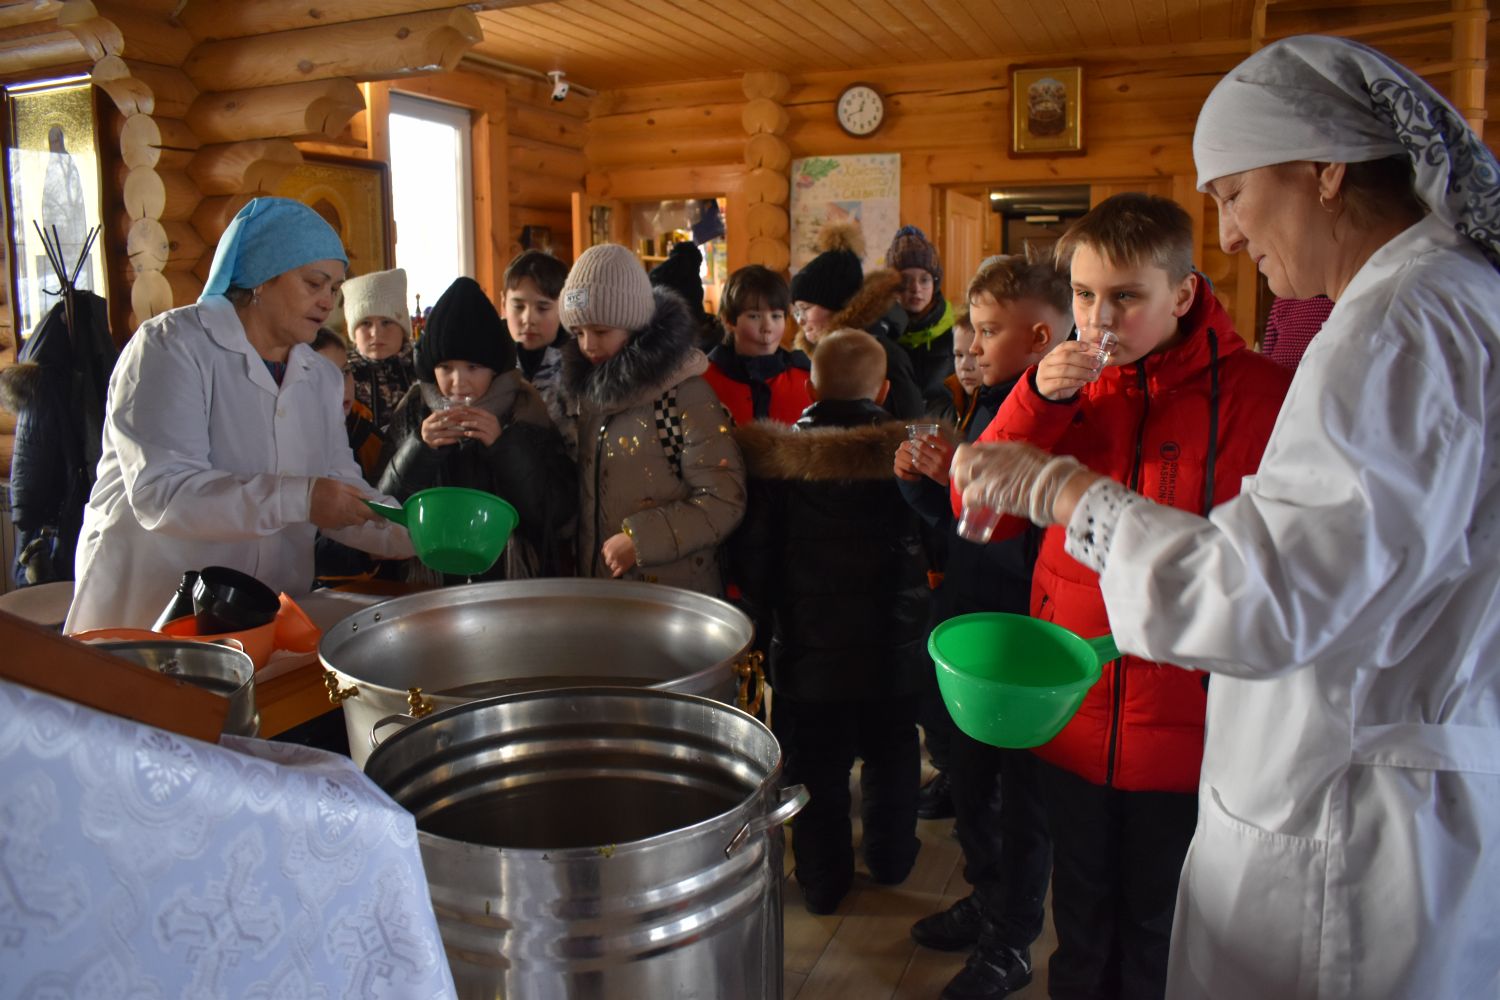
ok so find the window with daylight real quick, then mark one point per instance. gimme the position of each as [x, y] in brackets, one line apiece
[432, 192]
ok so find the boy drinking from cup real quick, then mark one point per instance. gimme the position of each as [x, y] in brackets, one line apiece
[1181, 411]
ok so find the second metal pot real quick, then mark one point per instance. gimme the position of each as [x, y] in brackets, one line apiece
[443, 648]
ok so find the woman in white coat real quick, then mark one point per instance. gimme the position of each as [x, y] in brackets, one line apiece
[1348, 601]
[224, 439]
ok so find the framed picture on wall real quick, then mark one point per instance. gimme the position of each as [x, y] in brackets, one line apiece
[1046, 110]
[354, 196]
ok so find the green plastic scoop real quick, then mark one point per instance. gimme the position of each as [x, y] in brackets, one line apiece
[1014, 681]
[456, 531]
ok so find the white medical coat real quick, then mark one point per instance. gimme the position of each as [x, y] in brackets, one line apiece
[207, 462]
[1348, 604]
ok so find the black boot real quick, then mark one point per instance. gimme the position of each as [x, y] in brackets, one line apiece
[935, 800]
[991, 972]
[954, 929]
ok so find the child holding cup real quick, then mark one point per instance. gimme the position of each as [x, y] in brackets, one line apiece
[1181, 410]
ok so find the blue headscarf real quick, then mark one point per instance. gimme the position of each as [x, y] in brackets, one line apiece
[270, 236]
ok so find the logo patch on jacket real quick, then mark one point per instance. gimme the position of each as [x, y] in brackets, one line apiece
[1166, 486]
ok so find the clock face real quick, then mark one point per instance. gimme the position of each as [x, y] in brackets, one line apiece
[860, 110]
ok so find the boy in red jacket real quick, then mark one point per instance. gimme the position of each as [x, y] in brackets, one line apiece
[1181, 411]
[752, 374]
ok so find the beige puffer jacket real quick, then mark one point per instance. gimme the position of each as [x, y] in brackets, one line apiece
[679, 494]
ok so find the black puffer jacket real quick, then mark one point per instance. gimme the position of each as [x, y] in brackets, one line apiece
[57, 390]
[527, 465]
[830, 557]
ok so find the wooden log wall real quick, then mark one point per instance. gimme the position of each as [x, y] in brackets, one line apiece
[546, 160]
[949, 121]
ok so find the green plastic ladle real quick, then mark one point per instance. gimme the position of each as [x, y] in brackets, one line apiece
[454, 530]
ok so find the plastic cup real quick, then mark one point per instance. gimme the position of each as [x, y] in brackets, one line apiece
[977, 523]
[916, 432]
[1103, 349]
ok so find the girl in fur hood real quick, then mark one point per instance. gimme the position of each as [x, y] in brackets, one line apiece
[833, 293]
[661, 483]
[501, 440]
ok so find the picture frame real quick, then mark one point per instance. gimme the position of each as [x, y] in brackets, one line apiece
[1046, 111]
[354, 197]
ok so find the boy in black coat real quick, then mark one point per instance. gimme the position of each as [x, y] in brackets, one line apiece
[831, 564]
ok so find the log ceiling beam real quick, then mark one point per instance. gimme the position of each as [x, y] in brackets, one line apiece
[382, 48]
[320, 108]
[216, 20]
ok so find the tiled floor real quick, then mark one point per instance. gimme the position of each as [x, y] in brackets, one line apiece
[865, 950]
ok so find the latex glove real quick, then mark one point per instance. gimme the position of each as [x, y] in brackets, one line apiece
[1013, 478]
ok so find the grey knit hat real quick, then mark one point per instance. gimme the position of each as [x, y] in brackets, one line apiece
[608, 286]
[379, 293]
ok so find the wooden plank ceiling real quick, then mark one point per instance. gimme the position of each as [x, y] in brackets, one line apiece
[609, 44]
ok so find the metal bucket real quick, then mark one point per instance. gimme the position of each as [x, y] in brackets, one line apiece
[599, 843]
[442, 648]
[220, 669]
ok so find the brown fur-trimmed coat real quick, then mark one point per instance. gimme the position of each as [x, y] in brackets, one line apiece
[829, 557]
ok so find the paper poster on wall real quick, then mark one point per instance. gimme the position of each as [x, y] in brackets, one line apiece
[832, 189]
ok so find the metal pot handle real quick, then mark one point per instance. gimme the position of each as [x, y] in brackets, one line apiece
[793, 799]
[390, 720]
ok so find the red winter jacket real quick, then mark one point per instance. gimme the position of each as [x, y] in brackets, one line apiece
[778, 384]
[1145, 425]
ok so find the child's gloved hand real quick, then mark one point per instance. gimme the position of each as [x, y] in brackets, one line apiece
[1013, 478]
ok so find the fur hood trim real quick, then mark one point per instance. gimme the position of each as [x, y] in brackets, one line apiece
[820, 454]
[658, 356]
[873, 300]
[20, 386]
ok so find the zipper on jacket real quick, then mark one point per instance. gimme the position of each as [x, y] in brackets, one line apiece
[598, 506]
[1117, 696]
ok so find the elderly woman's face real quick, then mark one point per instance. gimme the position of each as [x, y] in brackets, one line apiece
[294, 304]
[1272, 214]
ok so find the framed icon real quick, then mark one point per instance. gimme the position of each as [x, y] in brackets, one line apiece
[1046, 110]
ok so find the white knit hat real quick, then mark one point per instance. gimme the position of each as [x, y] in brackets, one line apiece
[380, 293]
[608, 286]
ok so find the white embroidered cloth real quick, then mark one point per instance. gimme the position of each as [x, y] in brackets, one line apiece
[136, 864]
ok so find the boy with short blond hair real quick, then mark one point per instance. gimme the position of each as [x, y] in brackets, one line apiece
[1180, 410]
[830, 562]
[1019, 309]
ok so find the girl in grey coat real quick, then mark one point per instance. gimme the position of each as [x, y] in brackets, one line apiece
[661, 482]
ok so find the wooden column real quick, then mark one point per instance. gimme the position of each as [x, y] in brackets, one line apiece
[1469, 59]
[134, 48]
[767, 157]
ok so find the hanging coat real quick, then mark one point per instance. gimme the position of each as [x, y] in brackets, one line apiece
[207, 462]
[1348, 840]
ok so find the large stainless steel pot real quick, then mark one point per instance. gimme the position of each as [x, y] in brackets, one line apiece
[599, 843]
[443, 648]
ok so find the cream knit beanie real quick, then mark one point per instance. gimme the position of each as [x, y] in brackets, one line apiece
[608, 286]
[380, 293]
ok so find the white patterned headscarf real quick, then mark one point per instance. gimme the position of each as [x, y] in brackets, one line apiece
[1331, 100]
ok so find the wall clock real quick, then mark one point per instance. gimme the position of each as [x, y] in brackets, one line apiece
[860, 110]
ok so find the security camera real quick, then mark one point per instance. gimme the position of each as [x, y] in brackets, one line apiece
[559, 85]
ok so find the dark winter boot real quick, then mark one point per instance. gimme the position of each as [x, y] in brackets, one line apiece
[991, 972]
[954, 929]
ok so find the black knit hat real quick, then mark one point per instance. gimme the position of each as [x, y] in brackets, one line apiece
[464, 326]
[832, 277]
[680, 272]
